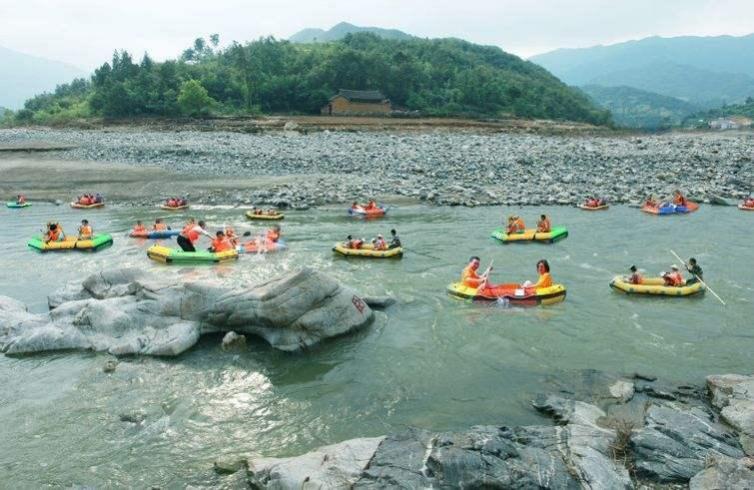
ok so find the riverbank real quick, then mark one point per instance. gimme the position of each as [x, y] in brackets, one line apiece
[294, 169]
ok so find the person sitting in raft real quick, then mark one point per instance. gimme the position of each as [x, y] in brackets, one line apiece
[515, 225]
[139, 228]
[697, 274]
[591, 202]
[54, 233]
[651, 202]
[469, 276]
[673, 278]
[543, 225]
[357, 207]
[85, 230]
[159, 225]
[395, 241]
[220, 243]
[749, 202]
[353, 243]
[544, 280]
[230, 234]
[634, 277]
[21, 199]
[273, 234]
[190, 234]
[371, 205]
[380, 243]
[679, 199]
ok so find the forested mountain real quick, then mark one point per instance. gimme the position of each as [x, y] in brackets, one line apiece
[636, 108]
[706, 71]
[23, 76]
[339, 31]
[435, 77]
[746, 109]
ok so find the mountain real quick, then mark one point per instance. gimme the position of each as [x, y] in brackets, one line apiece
[433, 77]
[636, 108]
[702, 70]
[24, 76]
[339, 31]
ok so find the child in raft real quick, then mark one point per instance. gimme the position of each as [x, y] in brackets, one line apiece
[85, 230]
[543, 225]
[54, 233]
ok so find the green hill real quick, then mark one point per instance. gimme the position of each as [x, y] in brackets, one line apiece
[339, 31]
[635, 108]
[434, 77]
[707, 71]
[702, 117]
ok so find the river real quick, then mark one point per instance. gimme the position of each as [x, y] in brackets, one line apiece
[431, 361]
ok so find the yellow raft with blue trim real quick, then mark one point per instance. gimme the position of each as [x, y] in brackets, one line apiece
[655, 286]
[514, 294]
[368, 251]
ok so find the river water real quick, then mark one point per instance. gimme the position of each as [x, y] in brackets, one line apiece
[430, 361]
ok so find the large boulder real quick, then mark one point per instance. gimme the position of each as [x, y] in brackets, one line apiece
[733, 394]
[130, 312]
[721, 473]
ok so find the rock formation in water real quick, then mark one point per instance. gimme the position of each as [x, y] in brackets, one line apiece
[643, 434]
[127, 311]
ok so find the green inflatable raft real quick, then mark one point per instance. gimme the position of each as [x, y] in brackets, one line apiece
[15, 205]
[97, 242]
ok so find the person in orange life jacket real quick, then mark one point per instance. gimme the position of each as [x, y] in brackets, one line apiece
[515, 225]
[469, 276]
[190, 234]
[85, 230]
[635, 277]
[351, 243]
[139, 228]
[159, 225]
[544, 280]
[54, 233]
[679, 199]
[220, 243]
[543, 225]
[674, 277]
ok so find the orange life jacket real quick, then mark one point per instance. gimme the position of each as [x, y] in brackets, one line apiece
[85, 231]
[221, 245]
[139, 229]
[544, 226]
[470, 278]
[53, 235]
[160, 226]
[544, 281]
[190, 233]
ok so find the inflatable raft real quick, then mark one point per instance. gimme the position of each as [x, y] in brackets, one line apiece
[368, 251]
[97, 242]
[252, 247]
[371, 213]
[745, 208]
[655, 286]
[177, 256]
[670, 209]
[15, 205]
[155, 235]
[557, 233]
[266, 217]
[173, 208]
[602, 207]
[76, 205]
[513, 293]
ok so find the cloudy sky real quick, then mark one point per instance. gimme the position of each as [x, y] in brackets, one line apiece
[85, 32]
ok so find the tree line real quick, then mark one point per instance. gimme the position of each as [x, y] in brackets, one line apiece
[438, 77]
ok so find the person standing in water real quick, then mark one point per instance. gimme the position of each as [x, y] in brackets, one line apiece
[190, 234]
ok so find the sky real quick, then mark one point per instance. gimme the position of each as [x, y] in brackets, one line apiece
[84, 33]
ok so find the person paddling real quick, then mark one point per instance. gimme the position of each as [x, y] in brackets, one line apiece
[395, 241]
[190, 234]
[696, 271]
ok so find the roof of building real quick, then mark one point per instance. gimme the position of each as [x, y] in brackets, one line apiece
[361, 95]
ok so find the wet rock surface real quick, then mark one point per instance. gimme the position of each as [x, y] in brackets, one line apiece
[440, 167]
[661, 444]
[125, 311]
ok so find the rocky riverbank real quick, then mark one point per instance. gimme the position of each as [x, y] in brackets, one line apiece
[288, 168]
[625, 432]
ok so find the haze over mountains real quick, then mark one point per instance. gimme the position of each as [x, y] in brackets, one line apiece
[341, 30]
[24, 76]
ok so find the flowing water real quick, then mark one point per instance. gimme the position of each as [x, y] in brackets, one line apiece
[430, 361]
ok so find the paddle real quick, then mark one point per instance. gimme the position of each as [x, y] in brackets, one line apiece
[700, 279]
[485, 277]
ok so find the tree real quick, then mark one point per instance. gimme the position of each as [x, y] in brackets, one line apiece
[193, 98]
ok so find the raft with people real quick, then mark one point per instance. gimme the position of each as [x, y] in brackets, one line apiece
[93, 244]
[368, 251]
[656, 286]
[174, 204]
[260, 246]
[370, 210]
[268, 215]
[747, 205]
[594, 204]
[17, 205]
[555, 234]
[175, 256]
[677, 205]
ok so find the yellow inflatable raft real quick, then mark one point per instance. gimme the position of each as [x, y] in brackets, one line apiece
[266, 217]
[556, 234]
[512, 293]
[655, 286]
[368, 251]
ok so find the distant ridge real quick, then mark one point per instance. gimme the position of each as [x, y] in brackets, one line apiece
[22, 76]
[339, 31]
[707, 71]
